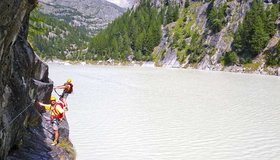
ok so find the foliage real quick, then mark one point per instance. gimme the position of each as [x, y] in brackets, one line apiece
[216, 17]
[272, 15]
[230, 58]
[172, 13]
[195, 50]
[273, 58]
[54, 38]
[251, 66]
[182, 30]
[36, 26]
[135, 33]
[187, 4]
[66, 145]
[181, 54]
[254, 33]
[157, 57]
[138, 31]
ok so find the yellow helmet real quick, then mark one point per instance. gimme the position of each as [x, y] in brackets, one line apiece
[69, 80]
[53, 98]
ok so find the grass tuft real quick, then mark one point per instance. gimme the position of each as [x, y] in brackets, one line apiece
[68, 147]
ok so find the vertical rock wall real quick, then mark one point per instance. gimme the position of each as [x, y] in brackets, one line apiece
[23, 78]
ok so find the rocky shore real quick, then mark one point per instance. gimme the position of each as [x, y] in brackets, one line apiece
[250, 68]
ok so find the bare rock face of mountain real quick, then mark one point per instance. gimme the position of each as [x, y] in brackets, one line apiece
[90, 14]
[214, 45]
[131, 3]
[124, 3]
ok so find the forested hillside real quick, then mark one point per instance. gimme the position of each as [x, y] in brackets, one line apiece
[230, 35]
[93, 15]
[133, 35]
[220, 33]
[254, 33]
[208, 34]
[52, 38]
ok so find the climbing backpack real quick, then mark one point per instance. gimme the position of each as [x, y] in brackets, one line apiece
[57, 114]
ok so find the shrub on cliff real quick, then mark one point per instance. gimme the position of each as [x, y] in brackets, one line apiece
[273, 58]
[68, 147]
[230, 58]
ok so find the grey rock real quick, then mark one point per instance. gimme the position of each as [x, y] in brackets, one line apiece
[162, 41]
[221, 41]
[217, 3]
[205, 63]
[23, 78]
[234, 69]
[170, 59]
[278, 72]
[91, 14]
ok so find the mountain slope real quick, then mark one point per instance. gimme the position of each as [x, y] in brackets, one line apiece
[132, 35]
[210, 35]
[56, 39]
[90, 14]
[205, 34]
[124, 3]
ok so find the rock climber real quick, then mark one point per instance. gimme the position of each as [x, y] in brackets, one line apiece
[57, 115]
[67, 89]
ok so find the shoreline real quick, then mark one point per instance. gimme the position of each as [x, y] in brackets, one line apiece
[272, 71]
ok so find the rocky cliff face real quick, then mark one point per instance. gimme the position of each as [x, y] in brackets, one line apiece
[25, 132]
[90, 14]
[197, 19]
[213, 45]
[124, 3]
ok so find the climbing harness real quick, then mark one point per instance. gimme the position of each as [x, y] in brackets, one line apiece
[16, 117]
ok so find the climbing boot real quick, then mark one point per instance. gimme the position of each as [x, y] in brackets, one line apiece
[54, 143]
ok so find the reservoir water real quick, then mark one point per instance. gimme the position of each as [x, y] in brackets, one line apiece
[134, 113]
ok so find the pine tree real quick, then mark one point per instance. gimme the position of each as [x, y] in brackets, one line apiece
[238, 42]
[216, 17]
[259, 37]
[187, 4]
[272, 15]
[252, 36]
[137, 32]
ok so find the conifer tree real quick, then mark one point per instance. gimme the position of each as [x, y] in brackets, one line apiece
[136, 33]
[253, 34]
[259, 37]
